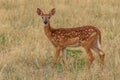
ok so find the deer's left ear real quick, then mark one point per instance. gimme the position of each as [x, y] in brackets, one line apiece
[52, 12]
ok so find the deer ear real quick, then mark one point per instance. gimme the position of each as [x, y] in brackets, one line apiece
[52, 12]
[39, 12]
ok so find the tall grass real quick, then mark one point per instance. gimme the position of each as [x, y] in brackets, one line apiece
[26, 53]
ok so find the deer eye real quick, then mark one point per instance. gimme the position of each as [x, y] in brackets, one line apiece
[42, 17]
[49, 17]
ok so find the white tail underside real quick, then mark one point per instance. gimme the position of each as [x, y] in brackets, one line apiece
[98, 43]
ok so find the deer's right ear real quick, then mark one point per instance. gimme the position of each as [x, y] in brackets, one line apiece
[39, 12]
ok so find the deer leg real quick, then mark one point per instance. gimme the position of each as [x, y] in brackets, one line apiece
[87, 47]
[64, 57]
[90, 55]
[102, 55]
[100, 52]
[96, 46]
[56, 56]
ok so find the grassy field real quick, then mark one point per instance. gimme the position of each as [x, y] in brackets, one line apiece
[26, 53]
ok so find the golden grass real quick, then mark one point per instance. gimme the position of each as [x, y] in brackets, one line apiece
[25, 51]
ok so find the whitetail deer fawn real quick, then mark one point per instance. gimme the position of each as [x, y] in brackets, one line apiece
[89, 37]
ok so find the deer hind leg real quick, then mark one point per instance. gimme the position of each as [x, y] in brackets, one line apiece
[100, 53]
[90, 55]
[97, 48]
[56, 56]
[87, 47]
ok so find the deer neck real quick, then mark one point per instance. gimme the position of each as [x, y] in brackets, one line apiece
[48, 30]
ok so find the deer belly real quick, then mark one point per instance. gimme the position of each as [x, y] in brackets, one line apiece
[74, 42]
[74, 45]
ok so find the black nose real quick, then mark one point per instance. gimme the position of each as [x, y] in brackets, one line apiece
[45, 22]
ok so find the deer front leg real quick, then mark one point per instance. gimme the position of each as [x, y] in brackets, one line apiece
[56, 56]
[64, 58]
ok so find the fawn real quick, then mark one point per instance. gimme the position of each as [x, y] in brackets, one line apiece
[89, 37]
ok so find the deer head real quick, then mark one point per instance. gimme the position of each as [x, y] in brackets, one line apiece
[45, 17]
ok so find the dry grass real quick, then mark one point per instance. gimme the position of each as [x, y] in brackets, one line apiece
[25, 51]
